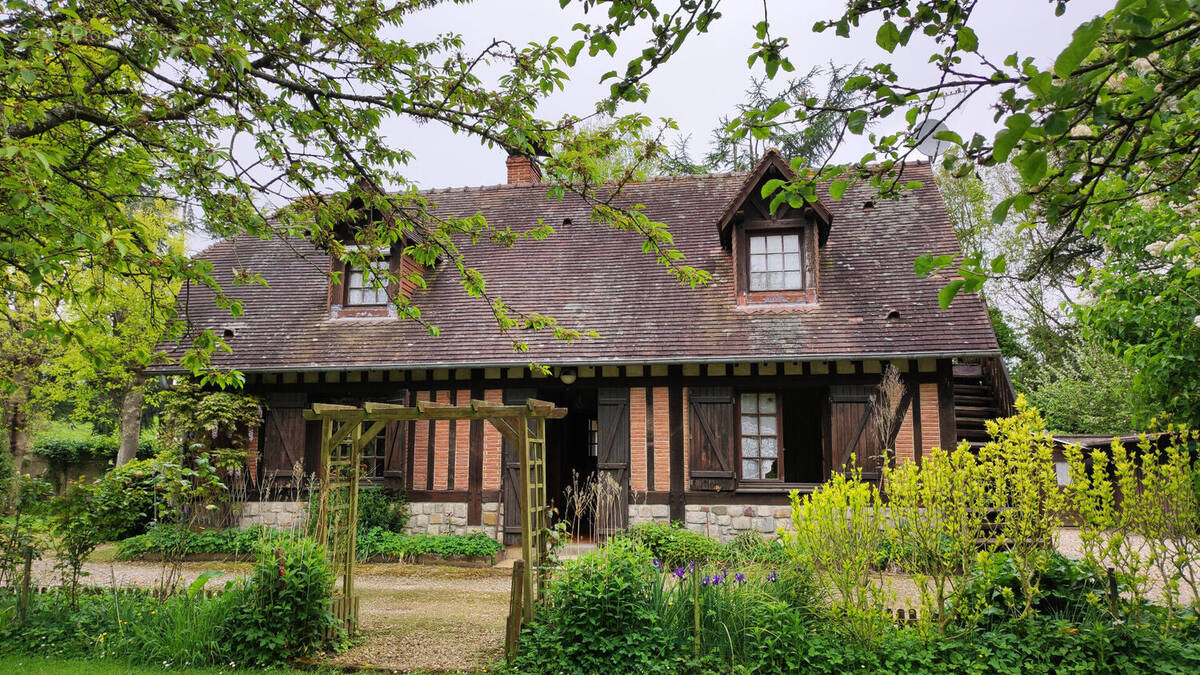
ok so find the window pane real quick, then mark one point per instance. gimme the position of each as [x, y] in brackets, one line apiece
[758, 263]
[775, 243]
[758, 244]
[772, 470]
[766, 403]
[774, 280]
[791, 243]
[750, 469]
[356, 279]
[769, 447]
[749, 447]
[766, 425]
[749, 403]
[750, 425]
[791, 261]
[774, 262]
[355, 297]
[792, 280]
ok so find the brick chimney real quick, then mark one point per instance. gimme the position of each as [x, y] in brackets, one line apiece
[521, 169]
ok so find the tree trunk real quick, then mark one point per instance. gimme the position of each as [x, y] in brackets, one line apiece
[16, 429]
[131, 418]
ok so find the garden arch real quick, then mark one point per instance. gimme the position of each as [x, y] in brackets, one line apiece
[345, 430]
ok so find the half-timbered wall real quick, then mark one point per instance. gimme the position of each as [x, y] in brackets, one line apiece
[678, 426]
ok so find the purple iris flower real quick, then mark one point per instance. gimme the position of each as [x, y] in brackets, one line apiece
[658, 564]
[717, 579]
[692, 566]
[680, 573]
[773, 576]
[741, 578]
[704, 581]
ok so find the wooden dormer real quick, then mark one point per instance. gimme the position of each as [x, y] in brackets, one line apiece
[351, 293]
[774, 254]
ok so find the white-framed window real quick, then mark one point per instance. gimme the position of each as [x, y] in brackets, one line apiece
[759, 412]
[361, 288]
[775, 262]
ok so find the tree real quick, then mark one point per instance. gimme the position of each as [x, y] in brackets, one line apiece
[1088, 392]
[1114, 117]
[810, 141]
[265, 118]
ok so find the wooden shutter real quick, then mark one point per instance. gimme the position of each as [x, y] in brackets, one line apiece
[283, 441]
[712, 457]
[852, 429]
[395, 434]
[512, 473]
[613, 451]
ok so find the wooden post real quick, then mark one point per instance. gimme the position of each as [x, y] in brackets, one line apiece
[512, 635]
[527, 549]
[23, 609]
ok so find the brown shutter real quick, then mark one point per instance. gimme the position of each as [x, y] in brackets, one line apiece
[613, 451]
[337, 289]
[283, 442]
[852, 429]
[512, 472]
[395, 436]
[713, 458]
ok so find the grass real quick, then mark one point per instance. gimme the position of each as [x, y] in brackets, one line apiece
[38, 666]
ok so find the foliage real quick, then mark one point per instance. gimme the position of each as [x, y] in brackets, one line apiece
[377, 541]
[1067, 589]
[751, 547]
[1142, 303]
[173, 540]
[286, 607]
[836, 532]
[598, 611]
[937, 510]
[674, 545]
[1139, 514]
[382, 508]
[76, 532]
[124, 498]
[1089, 392]
[66, 451]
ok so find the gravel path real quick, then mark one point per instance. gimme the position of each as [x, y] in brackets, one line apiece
[413, 617]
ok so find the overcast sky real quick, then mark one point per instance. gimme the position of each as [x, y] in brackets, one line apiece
[706, 79]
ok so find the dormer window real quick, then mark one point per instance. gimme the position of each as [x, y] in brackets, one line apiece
[361, 286]
[775, 262]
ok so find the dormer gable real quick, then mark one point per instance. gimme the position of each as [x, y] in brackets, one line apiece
[354, 264]
[774, 253]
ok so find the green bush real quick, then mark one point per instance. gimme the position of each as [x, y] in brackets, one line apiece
[674, 546]
[599, 616]
[124, 499]
[750, 547]
[285, 611]
[169, 540]
[378, 541]
[63, 451]
[382, 508]
[1068, 588]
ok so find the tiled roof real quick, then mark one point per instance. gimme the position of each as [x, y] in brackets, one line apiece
[590, 276]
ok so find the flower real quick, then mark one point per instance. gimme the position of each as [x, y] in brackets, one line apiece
[680, 573]
[704, 580]
[740, 578]
[1196, 321]
[773, 576]
[1156, 248]
[658, 564]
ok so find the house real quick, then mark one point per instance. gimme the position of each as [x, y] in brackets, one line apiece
[706, 405]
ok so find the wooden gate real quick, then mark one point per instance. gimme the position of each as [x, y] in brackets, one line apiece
[852, 430]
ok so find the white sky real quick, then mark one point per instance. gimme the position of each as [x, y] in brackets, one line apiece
[707, 77]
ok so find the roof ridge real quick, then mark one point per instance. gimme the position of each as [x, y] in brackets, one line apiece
[653, 179]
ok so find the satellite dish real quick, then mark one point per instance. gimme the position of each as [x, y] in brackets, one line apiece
[926, 143]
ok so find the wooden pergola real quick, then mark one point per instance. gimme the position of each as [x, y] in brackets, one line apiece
[346, 430]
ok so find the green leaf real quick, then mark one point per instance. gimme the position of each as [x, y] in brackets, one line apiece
[777, 108]
[888, 36]
[771, 186]
[1032, 166]
[967, 40]
[1082, 42]
[573, 53]
[856, 121]
[999, 264]
[949, 292]
[837, 188]
[927, 264]
[1000, 213]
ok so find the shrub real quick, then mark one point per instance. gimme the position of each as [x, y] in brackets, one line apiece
[382, 508]
[168, 540]
[124, 499]
[75, 531]
[378, 541]
[751, 547]
[672, 545]
[599, 615]
[285, 610]
[61, 452]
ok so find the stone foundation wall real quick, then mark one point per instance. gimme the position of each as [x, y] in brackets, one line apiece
[451, 518]
[283, 515]
[721, 521]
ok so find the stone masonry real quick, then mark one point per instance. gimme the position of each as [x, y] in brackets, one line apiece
[720, 521]
[451, 518]
[283, 514]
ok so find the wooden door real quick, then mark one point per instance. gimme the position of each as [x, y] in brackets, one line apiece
[612, 460]
[512, 473]
[283, 442]
[712, 455]
[853, 431]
